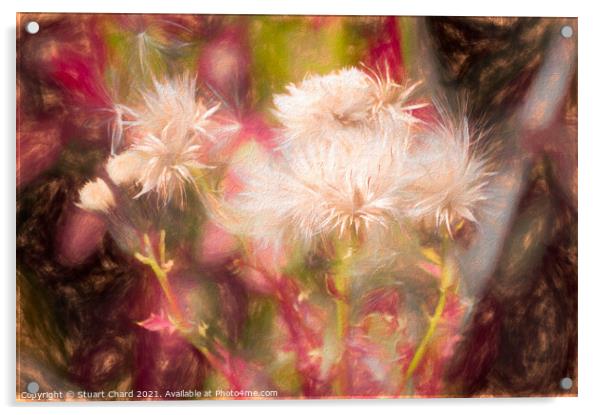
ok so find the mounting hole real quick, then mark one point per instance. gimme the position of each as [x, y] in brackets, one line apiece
[33, 387]
[566, 383]
[32, 27]
[566, 32]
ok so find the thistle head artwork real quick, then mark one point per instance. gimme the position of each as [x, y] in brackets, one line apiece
[265, 207]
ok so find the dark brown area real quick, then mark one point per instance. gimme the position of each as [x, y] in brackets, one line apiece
[522, 339]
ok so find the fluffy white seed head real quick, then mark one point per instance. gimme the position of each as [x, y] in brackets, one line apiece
[174, 133]
[169, 164]
[449, 182]
[324, 104]
[331, 189]
[125, 168]
[96, 196]
[173, 105]
[341, 103]
[390, 101]
[163, 165]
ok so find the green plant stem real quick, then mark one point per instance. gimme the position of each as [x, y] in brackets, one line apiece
[342, 307]
[161, 270]
[445, 282]
[342, 284]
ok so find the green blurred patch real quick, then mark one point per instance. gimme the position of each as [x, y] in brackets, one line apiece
[285, 49]
[284, 374]
[258, 328]
[136, 59]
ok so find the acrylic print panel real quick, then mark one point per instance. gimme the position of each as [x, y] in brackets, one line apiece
[274, 207]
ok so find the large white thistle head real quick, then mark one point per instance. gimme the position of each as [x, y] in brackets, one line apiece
[173, 104]
[169, 164]
[449, 180]
[173, 132]
[344, 102]
[329, 189]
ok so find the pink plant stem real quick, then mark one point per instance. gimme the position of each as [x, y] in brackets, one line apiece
[289, 306]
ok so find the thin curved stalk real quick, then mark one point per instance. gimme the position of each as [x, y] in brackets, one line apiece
[161, 270]
[445, 282]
